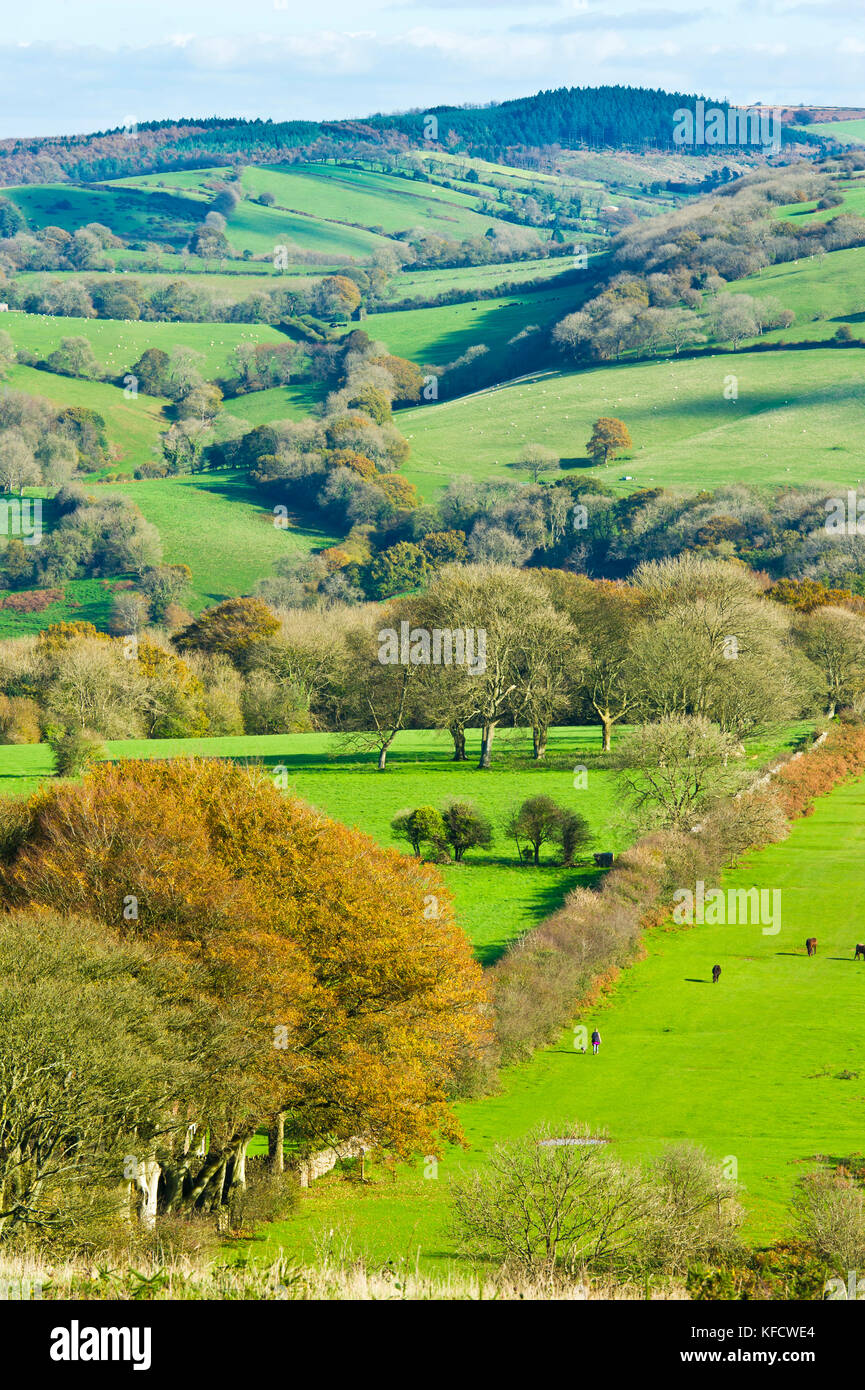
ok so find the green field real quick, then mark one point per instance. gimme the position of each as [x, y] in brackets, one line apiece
[119, 343]
[133, 422]
[754, 1069]
[830, 287]
[845, 132]
[416, 284]
[496, 898]
[439, 335]
[85, 601]
[292, 402]
[167, 218]
[261, 229]
[368, 199]
[796, 421]
[244, 279]
[853, 191]
[219, 526]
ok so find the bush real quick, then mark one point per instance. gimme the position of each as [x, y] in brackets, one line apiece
[424, 825]
[564, 1200]
[784, 1271]
[829, 1216]
[20, 720]
[267, 1197]
[465, 828]
[75, 750]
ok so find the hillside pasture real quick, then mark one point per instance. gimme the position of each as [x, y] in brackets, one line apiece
[118, 343]
[218, 525]
[763, 1069]
[133, 423]
[797, 420]
[364, 198]
[168, 217]
[441, 334]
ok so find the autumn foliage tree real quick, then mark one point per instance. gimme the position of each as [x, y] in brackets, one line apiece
[338, 968]
[233, 629]
[609, 437]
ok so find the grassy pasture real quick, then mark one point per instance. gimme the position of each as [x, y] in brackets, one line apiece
[798, 420]
[853, 191]
[119, 343]
[368, 199]
[845, 132]
[496, 898]
[230, 286]
[133, 422]
[84, 600]
[217, 524]
[441, 334]
[821, 290]
[261, 229]
[765, 1068]
[409, 284]
[291, 402]
[166, 218]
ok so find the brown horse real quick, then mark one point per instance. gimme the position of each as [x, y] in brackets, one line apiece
[716, 974]
[860, 952]
[811, 945]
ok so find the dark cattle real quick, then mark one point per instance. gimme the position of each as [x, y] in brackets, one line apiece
[860, 952]
[811, 945]
[716, 974]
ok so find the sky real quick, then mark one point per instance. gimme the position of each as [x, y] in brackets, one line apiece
[69, 66]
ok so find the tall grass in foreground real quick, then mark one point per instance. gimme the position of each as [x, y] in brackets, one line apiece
[334, 1277]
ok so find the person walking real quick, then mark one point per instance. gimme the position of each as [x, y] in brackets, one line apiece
[596, 1041]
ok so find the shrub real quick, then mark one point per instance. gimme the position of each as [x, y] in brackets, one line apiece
[465, 827]
[20, 720]
[829, 1216]
[75, 750]
[784, 1271]
[421, 826]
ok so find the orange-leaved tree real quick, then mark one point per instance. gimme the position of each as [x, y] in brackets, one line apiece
[352, 992]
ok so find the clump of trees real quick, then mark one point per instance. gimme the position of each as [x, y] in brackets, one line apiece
[564, 1202]
[539, 821]
[222, 923]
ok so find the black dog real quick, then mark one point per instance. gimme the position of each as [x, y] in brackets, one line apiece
[716, 974]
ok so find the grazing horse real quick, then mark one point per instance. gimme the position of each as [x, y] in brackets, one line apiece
[716, 974]
[860, 952]
[811, 945]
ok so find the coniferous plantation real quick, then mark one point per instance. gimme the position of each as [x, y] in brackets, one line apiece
[432, 681]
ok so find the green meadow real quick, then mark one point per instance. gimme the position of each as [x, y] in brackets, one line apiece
[84, 601]
[252, 227]
[364, 198]
[133, 423]
[217, 524]
[496, 897]
[821, 290]
[764, 1070]
[845, 132]
[127, 212]
[439, 335]
[231, 286]
[797, 419]
[119, 343]
[411, 284]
